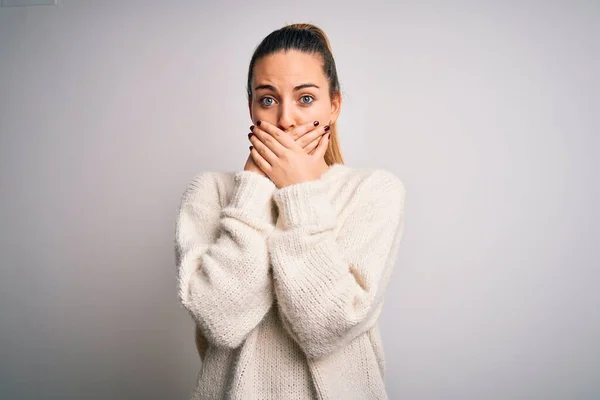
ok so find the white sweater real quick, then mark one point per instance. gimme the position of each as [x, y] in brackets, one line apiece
[286, 285]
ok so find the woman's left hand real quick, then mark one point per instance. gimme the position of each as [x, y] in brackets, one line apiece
[283, 160]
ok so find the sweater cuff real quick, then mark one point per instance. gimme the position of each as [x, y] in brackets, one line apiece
[252, 193]
[305, 203]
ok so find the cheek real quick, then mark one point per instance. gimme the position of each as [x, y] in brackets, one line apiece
[318, 112]
[259, 113]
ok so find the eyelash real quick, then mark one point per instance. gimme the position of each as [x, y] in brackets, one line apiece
[268, 97]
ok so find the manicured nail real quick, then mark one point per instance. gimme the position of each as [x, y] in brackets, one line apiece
[250, 147]
[251, 127]
[326, 128]
[328, 136]
[250, 134]
[257, 123]
[316, 123]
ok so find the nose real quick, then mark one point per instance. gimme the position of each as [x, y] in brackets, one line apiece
[286, 120]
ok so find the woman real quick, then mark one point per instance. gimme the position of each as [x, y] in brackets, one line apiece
[283, 266]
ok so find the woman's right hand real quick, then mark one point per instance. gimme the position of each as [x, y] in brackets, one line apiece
[251, 166]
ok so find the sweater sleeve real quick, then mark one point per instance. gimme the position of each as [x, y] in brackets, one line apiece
[222, 257]
[330, 280]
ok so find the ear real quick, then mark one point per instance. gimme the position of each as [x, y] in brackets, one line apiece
[336, 107]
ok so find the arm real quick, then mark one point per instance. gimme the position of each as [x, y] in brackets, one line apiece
[329, 285]
[201, 344]
[222, 258]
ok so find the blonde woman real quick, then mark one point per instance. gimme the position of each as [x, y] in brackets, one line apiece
[284, 265]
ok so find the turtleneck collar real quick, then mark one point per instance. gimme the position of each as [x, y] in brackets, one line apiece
[333, 171]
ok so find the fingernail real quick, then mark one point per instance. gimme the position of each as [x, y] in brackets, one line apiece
[316, 123]
[328, 136]
[250, 147]
[326, 128]
[257, 123]
[250, 134]
[251, 127]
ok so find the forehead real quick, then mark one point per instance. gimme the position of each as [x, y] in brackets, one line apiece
[289, 69]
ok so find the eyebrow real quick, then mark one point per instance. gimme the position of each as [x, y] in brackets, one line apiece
[299, 87]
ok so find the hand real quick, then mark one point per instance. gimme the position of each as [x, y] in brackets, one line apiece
[300, 136]
[251, 166]
[285, 161]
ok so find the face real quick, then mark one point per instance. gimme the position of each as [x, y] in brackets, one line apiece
[290, 89]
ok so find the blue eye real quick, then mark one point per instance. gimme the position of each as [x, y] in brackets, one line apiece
[309, 97]
[266, 98]
[268, 101]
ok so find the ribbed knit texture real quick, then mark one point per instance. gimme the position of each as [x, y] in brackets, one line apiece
[286, 285]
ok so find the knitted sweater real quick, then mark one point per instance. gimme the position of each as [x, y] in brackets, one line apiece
[286, 285]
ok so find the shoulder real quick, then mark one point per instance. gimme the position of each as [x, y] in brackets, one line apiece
[376, 184]
[209, 187]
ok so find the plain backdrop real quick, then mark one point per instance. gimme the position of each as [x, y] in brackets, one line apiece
[487, 111]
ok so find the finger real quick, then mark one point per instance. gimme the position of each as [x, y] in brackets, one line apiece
[312, 135]
[303, 129]
[260, 161]
[274, 138]
[312, 146]
[322, 147]
[266, 153]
